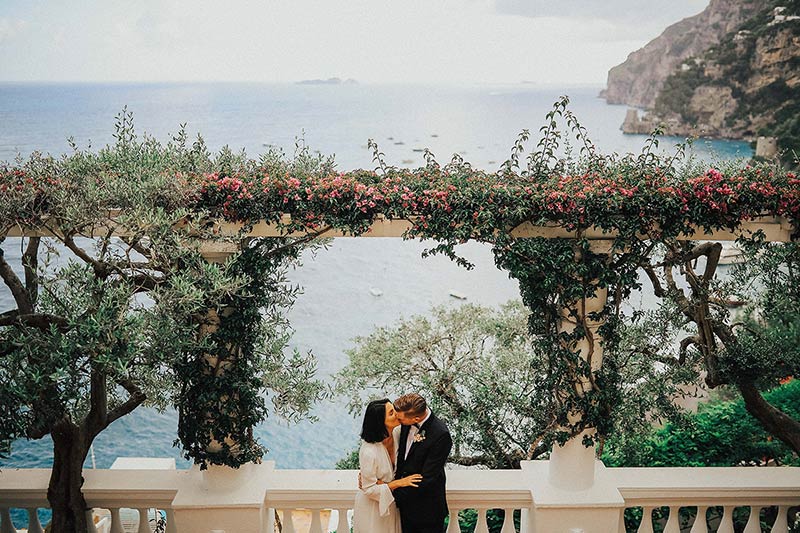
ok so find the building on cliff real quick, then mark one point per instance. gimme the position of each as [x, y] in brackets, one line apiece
[732, 71]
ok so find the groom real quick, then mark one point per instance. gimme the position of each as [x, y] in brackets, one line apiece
[423, 449]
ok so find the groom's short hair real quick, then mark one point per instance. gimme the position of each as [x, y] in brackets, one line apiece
[411, 403]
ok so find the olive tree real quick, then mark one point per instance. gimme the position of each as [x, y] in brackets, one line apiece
[481, 371]
[114, 307]
[751, 350]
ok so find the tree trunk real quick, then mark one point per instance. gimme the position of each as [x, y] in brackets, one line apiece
[773, 420]
[66, 480]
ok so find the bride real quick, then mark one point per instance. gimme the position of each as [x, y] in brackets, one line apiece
[374, 510]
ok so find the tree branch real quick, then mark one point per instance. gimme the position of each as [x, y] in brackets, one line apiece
[97, 419]
[772, 419]
[473, 460]
[298, 242]
[685, 343]
[30, 261]
[135, 244]
[41, 321]
[658, 290]
[13, 282]
[100, 268]
[137, 397]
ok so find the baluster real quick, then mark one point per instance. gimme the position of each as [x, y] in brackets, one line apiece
[6, 525]
[481, 526]
[116, 521]
[647, 520]
[508, 522]
[90, 522]
[144, 526]
[781, 524]
[288, 523]
[342, 525]
[316, 521]
[34, 526]
[726, 525]
[453, 526]
[171, 527]
[674, 520]
[700, 525]
[754, 522]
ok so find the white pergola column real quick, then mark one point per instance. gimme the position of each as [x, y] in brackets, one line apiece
[222, 498]
[572, 465]
[572, 492]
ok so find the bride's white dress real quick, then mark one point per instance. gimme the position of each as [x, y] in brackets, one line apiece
[374, 510]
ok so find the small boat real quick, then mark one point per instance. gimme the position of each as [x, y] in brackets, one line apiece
[376, 292]
[457, 295]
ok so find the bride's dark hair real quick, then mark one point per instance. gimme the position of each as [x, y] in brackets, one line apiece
[374, 427]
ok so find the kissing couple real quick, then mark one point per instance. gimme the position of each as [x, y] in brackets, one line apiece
[401, 468]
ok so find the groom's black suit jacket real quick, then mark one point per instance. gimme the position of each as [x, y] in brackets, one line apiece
[424, 508]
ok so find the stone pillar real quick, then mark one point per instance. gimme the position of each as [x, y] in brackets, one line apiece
[224, 499]
[217, 252]
[572, 492]
[572, 465]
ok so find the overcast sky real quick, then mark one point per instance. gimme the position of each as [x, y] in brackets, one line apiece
[543, 41]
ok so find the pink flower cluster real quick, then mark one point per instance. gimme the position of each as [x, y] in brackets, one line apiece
[447, 199]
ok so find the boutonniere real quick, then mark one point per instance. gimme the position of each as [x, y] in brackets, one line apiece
[419, 437]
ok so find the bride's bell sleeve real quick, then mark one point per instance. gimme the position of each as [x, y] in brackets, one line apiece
[369, 466]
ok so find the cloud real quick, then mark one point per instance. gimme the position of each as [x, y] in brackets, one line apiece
[282, 40]
[9, 29]
[627, 18]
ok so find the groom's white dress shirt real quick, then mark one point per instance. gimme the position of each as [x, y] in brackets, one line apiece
[413, 430]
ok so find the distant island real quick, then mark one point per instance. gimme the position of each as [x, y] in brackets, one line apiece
[729, 72]
[329, 81]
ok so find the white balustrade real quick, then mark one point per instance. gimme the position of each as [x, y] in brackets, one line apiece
[135, 492]
[452, 526]
[700, 524]
[6, 525]
[725, 520]
[696, 490]
[34, 526]
[782, 521]
[673, 521]
[753, 522]
[508, 521]
[707, 498]
[646, 525]
[292, 492]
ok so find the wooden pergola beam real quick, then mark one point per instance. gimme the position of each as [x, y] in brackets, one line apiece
[775, 230]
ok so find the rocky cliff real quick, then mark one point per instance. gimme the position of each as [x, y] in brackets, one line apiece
[638, 80]
[745, 85]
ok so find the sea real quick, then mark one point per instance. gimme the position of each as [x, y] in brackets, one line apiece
[339, 285]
